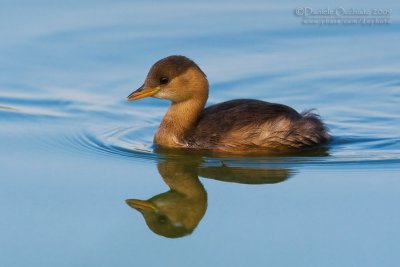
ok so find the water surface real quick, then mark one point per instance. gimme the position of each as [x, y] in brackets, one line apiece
[73, 150]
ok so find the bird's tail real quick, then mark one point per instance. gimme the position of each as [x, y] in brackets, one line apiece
[311, 130]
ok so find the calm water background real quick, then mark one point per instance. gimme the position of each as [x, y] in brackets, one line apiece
[73, 149]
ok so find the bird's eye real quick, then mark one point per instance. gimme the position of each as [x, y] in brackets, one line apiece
[163, 80]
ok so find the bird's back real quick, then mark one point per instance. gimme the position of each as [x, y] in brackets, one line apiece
[254, 125]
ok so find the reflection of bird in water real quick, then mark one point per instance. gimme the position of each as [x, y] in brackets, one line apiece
[241, 125]
[177, 212]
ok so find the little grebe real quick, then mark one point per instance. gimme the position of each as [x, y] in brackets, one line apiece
[241, 125]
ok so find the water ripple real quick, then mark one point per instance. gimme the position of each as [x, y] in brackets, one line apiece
[123, 142]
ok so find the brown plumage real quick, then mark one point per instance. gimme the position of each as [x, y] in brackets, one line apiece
[242, 125]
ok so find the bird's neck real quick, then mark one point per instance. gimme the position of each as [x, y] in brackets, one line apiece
[177, 123]
[182, 176]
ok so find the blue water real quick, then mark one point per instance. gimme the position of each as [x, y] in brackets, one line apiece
[73, 150]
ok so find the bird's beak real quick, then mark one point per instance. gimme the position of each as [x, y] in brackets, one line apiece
[143, 92]
[141, 205]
